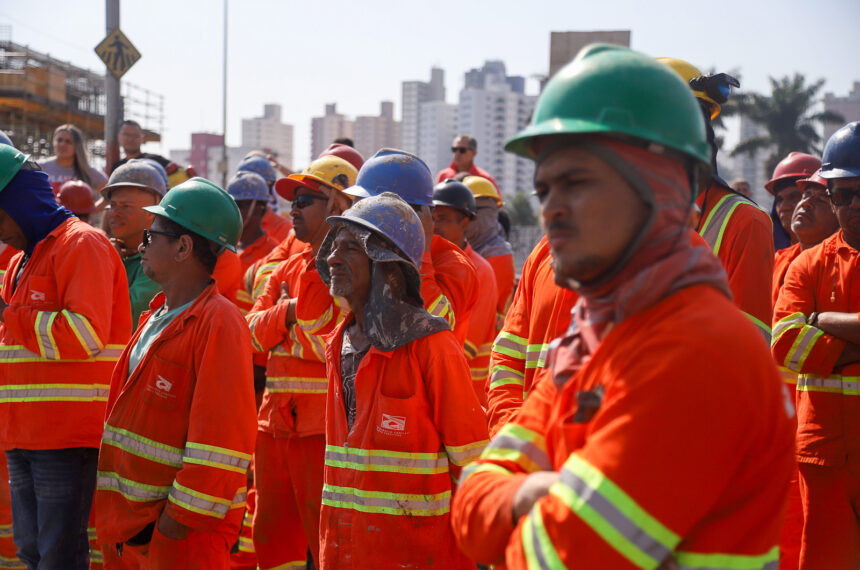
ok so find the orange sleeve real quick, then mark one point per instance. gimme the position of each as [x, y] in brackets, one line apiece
[267, 318]
[435, 301]
[796, 345]
[503, 267]
[459, 283]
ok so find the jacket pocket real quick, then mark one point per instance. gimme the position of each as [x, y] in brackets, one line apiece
[400, 423]
[166, 385]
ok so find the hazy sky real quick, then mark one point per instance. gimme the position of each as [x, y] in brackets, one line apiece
[306, 54]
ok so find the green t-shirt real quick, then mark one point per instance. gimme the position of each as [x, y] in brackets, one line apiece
[153, 327]
[141, 289]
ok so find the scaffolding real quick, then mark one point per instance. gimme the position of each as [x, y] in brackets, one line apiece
[38, 93]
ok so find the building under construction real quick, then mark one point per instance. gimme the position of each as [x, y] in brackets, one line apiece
[38, 93]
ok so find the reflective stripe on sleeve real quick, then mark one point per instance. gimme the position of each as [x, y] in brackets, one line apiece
[218, 457]
[505, 376]
[510, 345]
[19, 354]
[794, 320]
[252, 324]
[204, 504]
[44, 336]
[403, 504]
[846, 385]
[536, 355]
[84, 332]
[54, 393]
[131, 490]
[762, 328]
[383, 460]
[537, 546]
[463, 454]
[479, 467]
[715, 224]
[699, 561]
[801, 347]
[296, 385]
[142, 447]
[312, 326]
[519, 445]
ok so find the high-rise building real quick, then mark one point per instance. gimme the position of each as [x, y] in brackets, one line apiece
[200, 145]
[753, 167]
[848, 107]
[492, 109]
[325, 129]
[269, 134]
[373, 133]
[413, 94]
[437, 123]
[563, 46]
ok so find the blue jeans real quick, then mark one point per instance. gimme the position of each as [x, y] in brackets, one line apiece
[52, 491]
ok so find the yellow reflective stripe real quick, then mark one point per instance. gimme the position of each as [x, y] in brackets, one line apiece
[463, 454]
[84, 332]
[479, 373]
[801, 347]
[243, 296]
[131, 490]
[794, 320]
[44, 337]
[536, 355]
[204, 504]
[836, 384]
[470, 350]
[218, 457]
[252, 324]
[762, 327]
[54, 393]
[142, 446]
[442, 308]
[6, 562]
[485, 349]
[312, 326]
[510, 345]
[246, 544]
[296, 385]
[473, 468]
[519, 445]
[384, 460]
[405, 504]
[788, 376]
[537, 546]
[294, 565]
[505, 376]
[697, 560]
[20, 354]
[5, 530]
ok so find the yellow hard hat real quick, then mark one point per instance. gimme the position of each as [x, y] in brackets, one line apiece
[328, 172]
[482, 188]
[688, 71]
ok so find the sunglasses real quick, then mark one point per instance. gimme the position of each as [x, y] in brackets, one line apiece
[843, 197]
[147, 236]
[302, 201]
[460, 149]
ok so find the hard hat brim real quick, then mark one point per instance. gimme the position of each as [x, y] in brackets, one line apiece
[106, 190]
[840, 173]
[159, 210]
[357, 192]
[456, 207]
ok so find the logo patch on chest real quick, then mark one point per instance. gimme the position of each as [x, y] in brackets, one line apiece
[36, 296]
[392, 425]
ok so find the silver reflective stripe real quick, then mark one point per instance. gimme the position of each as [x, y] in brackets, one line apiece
[615, 518]
[506, 442]
[142, 447]
[536, 542]
[767, 566]
[334, 455]
[44, 320]
[788, 322]
[715, 225]
[84, 330]
[21, 354]
[49, 392]
[198, 503]
[536, 355]
[131, 490]
[400, 505]
[463, 454]
[300, 385]
[199, 453]
[808, 335]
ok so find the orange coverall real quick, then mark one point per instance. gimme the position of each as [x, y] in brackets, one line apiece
[179, 436]
[288, 461]
[740, 235]
[228, 277]
[449, 285]
[388, 480]
[482, 326]
[66, 324]
[258, 273]
[828, 401]
[256, 251]
[539, 313]
[649, 466]
[276, 225]
[503, 269]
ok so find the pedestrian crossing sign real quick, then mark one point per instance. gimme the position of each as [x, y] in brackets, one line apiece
[117, 52]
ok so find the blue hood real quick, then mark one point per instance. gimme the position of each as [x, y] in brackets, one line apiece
[29, 200]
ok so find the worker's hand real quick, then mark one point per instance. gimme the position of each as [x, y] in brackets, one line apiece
[533, 488]
[290, 317]
[171, 528]
[425, 214]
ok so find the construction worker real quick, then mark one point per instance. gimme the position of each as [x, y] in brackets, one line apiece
[739, 232]
[486, 235]
[464, 149]
[613, 461]
[290, 319]
[783, 187]
[453, 212]
[132, 187]
[130, 138]
[251, 194]
[816, 335]
[64, 319]
[275, 225]
[449, 284]
[78, 197]
[402, 419]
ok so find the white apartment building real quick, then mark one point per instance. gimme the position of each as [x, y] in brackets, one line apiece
[270, 134]
[437, 123]
[848, 107]
[373, 133]
[325, 129]
[753, 167]
[413, 94]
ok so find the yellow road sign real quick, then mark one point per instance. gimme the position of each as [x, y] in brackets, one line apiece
[117, 52]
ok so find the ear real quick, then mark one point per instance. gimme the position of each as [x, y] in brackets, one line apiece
[338, 205]
[184, 248]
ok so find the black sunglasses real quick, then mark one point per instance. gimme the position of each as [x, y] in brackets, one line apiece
[460, 149]
[302, 201]
[843, 197]
[147, 236]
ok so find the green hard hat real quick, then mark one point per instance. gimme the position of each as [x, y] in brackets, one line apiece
[11, 161]
[204, 208]
[616, 91]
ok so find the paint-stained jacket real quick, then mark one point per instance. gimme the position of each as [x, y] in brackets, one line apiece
[294, 401]
[388, 481]
[539, 313]
[648, 465]
[67, 322]
[482, 326]
[181, 426]
[822, 278]
[449, 285]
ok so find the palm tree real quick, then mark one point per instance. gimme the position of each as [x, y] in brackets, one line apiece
[788, 118]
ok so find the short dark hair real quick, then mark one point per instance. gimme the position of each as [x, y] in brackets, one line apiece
[202, 249]
[131, 123]
[345, 140]
[471, 141]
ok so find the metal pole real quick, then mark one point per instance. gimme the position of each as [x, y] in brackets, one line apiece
[224, 106]
[112, 99]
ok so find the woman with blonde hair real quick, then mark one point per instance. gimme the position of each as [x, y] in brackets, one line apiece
[70, 160]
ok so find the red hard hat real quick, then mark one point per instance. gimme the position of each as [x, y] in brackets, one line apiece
[345, 152]
[796, 164]
[77, 196]
[814, 179]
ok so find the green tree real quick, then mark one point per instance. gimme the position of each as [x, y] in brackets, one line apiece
[788, 117]
[521, 211]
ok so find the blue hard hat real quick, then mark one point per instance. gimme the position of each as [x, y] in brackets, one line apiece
[841, 157]
[397, 171]
[161, 170]
[247, 185]
[259, 165]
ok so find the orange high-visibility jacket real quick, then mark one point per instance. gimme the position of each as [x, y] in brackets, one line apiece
[781, 260]
[276, 225]
[649, 467]
[482, 326]
[539, 313]
[503, 269]
[449, 285]
[181, 426]
[294, 401]
[741, 236]
[388, 481]
[258, 273]
[6, 256]
[256, 251]
[228, 277]
[820, 279]
[66, 324]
